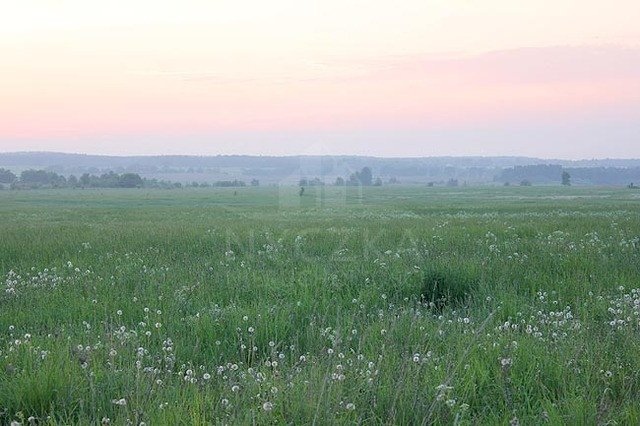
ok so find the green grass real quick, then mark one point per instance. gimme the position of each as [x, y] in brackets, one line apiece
[393, 305]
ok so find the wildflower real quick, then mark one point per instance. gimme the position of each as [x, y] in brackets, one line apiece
[105, 421]
[267, 406]
[351, 406]
[119, 312]
[158, 325]
[235, 388]
[121, 402]
[251, 329]
[206, 376]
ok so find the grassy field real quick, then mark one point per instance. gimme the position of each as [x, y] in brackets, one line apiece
[401, 305]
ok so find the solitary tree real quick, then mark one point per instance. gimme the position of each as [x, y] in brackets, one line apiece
[366, 177]
[85, 179]
[566, 178]
[72, 181]
[130, 180]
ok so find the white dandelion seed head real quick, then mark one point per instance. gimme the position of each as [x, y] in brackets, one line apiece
[505, 362]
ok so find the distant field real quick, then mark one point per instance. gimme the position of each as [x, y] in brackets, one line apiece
[393, 305]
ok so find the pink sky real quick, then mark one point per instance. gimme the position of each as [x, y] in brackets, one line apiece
[442, 77]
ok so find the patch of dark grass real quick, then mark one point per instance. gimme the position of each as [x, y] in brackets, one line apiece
[448, 285]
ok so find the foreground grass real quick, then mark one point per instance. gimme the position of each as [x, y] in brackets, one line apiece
[388, 306]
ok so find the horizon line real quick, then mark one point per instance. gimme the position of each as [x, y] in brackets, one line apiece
[317, 156]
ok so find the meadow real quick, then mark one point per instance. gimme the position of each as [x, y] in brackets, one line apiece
[392, 305]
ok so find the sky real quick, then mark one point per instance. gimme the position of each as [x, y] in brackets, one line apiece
[543, 78]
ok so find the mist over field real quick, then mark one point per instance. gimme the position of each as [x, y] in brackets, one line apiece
[326, 170]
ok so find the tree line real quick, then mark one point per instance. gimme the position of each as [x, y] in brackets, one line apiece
[35, 179]
[43, 179]
[554, 174]
[362, 177]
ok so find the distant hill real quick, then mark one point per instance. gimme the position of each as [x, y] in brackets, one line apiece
[271, 170]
